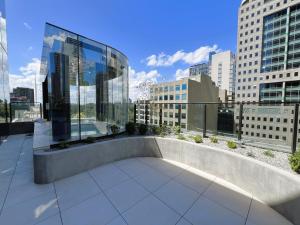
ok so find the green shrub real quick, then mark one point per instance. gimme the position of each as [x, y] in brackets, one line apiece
[89, 140]
[213, 139]
[198, 139]
[177, 130]
[269, 153]
[114, 129]
[231, 145]
[251, 154]
[295, 161]
[154, 130]
[143, 128]
[181, 137]
[130, 128]
[164, 130]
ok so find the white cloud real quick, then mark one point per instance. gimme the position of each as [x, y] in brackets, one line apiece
[199, 55]
[28, 77]
[27, 26]
[180, 74]
[140, 82]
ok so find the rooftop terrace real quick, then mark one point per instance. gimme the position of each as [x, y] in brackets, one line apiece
[134, 191]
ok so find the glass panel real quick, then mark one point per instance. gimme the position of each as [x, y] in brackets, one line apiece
[92, 70]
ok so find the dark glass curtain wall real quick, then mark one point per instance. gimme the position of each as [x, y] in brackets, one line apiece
[87, 85]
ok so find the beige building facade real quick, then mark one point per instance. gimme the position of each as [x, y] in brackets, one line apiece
[176, 100]
[268, 66]
[223, 72]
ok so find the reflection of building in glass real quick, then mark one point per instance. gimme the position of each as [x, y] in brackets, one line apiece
[187, 91]
[85, 89]
[21, 94]
[4, 76]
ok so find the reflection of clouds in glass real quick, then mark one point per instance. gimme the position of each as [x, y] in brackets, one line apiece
[49, 40]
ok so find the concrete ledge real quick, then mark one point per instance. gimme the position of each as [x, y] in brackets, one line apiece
[275, 187]
[52, 166]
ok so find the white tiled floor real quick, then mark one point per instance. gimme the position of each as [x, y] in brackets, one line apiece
[140, 191]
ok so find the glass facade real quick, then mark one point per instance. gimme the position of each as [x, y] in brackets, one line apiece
[85, 88]
[271, 93]
[274, 41]
[281, 40]
[294, 38]
[4, 75]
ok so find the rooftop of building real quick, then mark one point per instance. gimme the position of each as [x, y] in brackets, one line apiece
[122, 192]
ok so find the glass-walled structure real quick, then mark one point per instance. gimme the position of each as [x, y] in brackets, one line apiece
[85, 90]
[4, 75]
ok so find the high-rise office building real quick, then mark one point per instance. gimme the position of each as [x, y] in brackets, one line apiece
[4, 75]
[222, 72]
[268, 51]
[268, 66]
[199, 69]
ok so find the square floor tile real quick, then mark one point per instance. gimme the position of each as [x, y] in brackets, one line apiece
[261, 214]
[177, 196]
[126, 194]
[151, 211]
[193, 181]
[4, 182]
[228, 198]
[132, 167]
[26, 192]
[96, 210]
[108, 176]
[53, 220]
[22, 178]
[30, 212]
[74, 190]
[183, 222]
[152, 180]
[207, 212]
[167, 168]
[118, 221]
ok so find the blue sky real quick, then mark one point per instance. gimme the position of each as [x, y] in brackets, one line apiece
[139, 28]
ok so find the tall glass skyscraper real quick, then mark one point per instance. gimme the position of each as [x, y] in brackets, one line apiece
[85, 88]
[4, 75]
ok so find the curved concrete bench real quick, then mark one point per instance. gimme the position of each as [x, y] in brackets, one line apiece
[275, 187]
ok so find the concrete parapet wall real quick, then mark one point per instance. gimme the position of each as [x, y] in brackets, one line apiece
[275, 187]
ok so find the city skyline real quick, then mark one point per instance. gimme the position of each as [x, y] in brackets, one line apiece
[165, 31]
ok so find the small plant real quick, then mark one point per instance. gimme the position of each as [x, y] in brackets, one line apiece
[114, 129]
[231, 145]
[251, 154]
[198, 139]
[90, 140]
[295, 161]
[181, 137]
[130, 128]
[143, 128]
[177, 130]
[269, 153]
[164, 130]
[63, 145]
[213, 139]
[155, 130]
